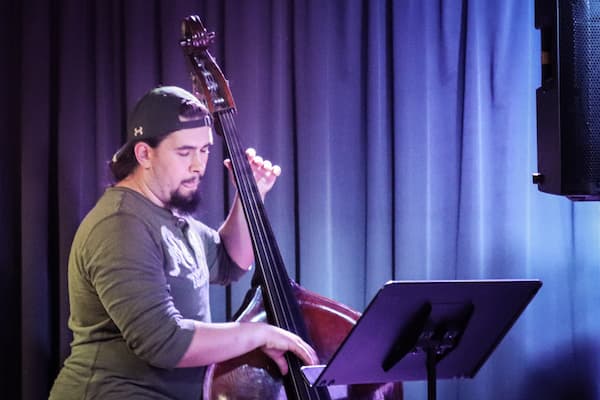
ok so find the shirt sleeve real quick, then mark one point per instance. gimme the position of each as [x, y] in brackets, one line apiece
[126, 270]
[223, 270]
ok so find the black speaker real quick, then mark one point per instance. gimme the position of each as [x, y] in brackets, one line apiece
[568, 100]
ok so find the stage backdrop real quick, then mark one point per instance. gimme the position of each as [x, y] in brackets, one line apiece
[405, 130]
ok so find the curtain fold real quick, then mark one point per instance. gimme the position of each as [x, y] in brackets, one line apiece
[406, 132]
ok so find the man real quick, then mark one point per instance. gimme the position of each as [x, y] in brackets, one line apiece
[140, 266]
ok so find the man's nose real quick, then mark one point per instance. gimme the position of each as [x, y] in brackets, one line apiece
[198, 163]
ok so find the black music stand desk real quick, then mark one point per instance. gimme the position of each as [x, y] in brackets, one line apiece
[426, 330]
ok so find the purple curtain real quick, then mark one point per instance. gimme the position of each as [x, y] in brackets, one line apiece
[405, 130]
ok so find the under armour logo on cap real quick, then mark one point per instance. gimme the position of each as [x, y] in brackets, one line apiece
[139, 131]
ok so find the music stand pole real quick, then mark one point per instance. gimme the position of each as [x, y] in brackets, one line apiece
[434, 339]
[431, 375]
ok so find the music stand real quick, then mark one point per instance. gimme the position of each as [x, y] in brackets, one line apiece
[426, 330]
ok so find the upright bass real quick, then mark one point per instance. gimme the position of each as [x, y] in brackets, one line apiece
[274, 297]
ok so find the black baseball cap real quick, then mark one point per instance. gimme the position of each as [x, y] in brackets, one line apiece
[163, 110]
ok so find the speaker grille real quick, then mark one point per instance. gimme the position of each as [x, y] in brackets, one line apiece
[579, 44]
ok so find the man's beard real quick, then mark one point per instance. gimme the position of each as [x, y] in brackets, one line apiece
[184, 204]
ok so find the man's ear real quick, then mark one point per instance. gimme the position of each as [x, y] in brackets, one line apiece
[143, 154]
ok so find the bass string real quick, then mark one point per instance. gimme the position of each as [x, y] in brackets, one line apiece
[268, 253]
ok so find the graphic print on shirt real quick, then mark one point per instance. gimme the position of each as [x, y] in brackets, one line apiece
[183, 263]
